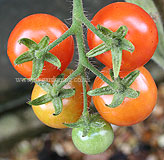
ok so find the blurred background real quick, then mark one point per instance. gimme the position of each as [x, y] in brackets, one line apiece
[24, 137]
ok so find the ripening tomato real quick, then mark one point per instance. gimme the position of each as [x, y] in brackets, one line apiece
[72, 107]
[142, 33]
[35, 27]
[131, 111]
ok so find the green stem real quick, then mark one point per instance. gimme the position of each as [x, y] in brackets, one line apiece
[69, 78]
[85, 110]
[77, 30]
[98, 73]
[77, 11]
[68, 33]
[93, 28]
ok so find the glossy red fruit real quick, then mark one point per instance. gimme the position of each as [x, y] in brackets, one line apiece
[142, 33]
[35, 27]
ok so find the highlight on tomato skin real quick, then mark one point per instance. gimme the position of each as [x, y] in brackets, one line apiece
[131, 111]
[72, 107]
[35, 27]
[142, 33]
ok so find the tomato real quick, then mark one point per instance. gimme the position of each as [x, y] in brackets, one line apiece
[72, 107]
[131, 111]
[97, 140]
[35, 27]
[142, 33]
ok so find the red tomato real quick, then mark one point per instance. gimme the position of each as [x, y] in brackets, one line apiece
[131, 111]
[142, 32]
[35, 27]
[72, 106]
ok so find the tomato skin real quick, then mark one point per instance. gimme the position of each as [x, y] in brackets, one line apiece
[72, 107]
[97, 141]
[142, 33]
[131, 111]
[35, 27]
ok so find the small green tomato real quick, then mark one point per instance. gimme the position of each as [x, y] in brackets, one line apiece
[96, 141]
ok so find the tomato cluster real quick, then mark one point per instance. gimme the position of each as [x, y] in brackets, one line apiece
[142, 33]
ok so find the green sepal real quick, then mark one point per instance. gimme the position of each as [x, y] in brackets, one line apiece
[131, 93]
[29, 43]
[123, 90]
[66, 93]
[44, 85]
[107, 90]
[53, 95]
[85, 130]
[130, 78]
[94, 117]
[44, 42]
[87, 122]
[117, 100]
[121, 32]
[104, 30]
[94, 121]
[38, 55]
[111, 74]
[116, 42]
[97, 124]
[116, 60]
[25, 57]
[58, 80]
[73, 125]
[58, 105]
[127, 45]
[41, 100]
[120, 90]
[37, 68]
[77, 124]
[97, 50]
[52, 59]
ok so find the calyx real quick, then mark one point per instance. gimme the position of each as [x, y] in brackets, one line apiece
[116, 43]
[120, 91]
[53, 95]
[92, 121]
[37, 56]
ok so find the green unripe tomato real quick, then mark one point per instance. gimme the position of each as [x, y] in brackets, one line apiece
[97, 140]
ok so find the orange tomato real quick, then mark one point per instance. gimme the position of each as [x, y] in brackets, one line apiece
[72, 106]
[131, 111]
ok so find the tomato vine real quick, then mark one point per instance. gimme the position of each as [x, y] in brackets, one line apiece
[116, 86]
